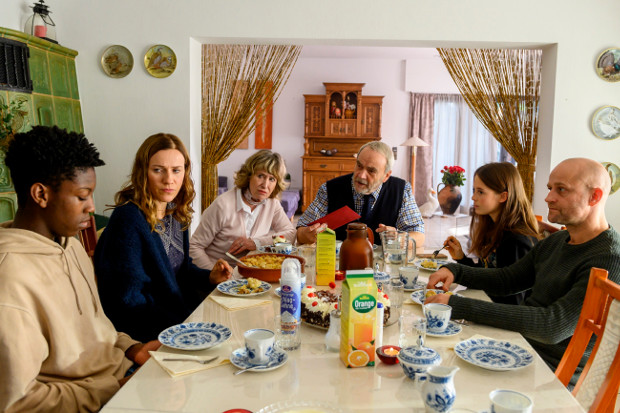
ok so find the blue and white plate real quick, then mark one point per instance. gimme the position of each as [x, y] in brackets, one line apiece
[418, 295]
[493, 354]
[239, 358]
[271, 249]
[194, 336]
[419, 285]
[452, 330]
[437, 262]
[277, 291]
[231, 287]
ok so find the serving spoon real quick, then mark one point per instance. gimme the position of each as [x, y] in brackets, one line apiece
[229, 255]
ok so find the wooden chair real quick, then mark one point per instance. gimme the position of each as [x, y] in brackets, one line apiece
[546, 228]
[599, 382]
[88, 237]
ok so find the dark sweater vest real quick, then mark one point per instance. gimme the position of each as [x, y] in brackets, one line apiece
[385, 210]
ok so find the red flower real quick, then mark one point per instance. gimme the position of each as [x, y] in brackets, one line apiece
[453, 175]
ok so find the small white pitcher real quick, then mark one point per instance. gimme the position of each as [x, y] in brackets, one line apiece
[438, 390]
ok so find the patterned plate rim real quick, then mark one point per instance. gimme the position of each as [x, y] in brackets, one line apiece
[451, 324]
[223, 331]
[221, 287]
[417, 301]
[419, 285]
[438, 261]
[497, 345]
[235, 354]
[263, 248]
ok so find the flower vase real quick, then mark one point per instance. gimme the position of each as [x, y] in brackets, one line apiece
[449, 198]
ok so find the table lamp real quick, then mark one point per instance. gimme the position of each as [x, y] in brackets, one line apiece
[414, 142]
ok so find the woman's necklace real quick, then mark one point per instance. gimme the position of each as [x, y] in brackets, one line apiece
[247, 196]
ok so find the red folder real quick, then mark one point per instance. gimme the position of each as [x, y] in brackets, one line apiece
[338, 218]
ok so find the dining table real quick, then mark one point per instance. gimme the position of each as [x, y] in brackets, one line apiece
[314, 374]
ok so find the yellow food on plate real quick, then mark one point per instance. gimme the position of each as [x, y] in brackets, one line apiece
[430, 293]
[429, 264]
[252, 286]
[265, 261]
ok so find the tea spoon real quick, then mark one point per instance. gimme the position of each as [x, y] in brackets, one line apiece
[244, 370]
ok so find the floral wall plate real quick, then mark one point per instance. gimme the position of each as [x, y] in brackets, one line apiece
[117, 61]
[606, 122]
[160, 61]
[608, 65]
[614, 174]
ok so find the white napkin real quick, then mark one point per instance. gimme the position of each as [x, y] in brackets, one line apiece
[234, 303]
[180, 368]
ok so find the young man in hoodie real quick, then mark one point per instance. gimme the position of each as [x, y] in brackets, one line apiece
[58, 350]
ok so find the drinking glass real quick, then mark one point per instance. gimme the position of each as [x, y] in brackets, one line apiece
[398, 250]
[412, 330]
[308, 252]
[394, 289]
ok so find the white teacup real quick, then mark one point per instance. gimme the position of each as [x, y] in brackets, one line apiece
[437, 316]
[409, 276]
[338, 245]
[283, 247]
[510, 401]
[259, 345]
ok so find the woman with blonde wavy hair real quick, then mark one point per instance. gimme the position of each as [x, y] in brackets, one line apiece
[147, 281]
[247, 216]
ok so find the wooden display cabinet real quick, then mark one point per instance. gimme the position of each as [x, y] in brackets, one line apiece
[342, 119]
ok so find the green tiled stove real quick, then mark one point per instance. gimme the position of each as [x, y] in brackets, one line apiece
[54, 99]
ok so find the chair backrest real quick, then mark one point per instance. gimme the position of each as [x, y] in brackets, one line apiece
[88, 237]
[599, 382]
[545, 228]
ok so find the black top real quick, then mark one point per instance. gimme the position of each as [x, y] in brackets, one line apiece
[384, 211]
[512, 247]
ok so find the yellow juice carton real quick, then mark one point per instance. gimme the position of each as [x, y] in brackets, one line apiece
[358, 319]
[325, 257]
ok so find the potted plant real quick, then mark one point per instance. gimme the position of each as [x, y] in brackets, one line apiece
[450, 195]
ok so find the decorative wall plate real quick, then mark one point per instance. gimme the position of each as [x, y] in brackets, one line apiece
[606, 122]
[614, 174]
[117, 61]
[160, 61]
[608, 65]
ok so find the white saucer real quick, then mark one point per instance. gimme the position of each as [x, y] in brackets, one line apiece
[239, 358]
[451, 330]
[418, 286]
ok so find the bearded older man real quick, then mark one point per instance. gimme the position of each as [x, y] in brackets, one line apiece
[383, 201]
[557, 269]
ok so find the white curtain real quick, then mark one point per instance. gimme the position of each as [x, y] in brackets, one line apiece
[460, 139]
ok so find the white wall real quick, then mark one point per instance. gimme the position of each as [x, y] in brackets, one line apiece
[120, 113]
[382, 77]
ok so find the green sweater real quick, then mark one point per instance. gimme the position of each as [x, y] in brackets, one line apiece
[557, 273]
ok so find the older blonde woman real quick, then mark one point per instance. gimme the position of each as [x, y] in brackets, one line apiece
[247, 216]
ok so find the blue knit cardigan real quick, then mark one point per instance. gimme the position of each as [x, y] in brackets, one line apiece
[138, 289]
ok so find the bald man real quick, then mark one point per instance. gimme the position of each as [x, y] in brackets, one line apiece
[557, 269]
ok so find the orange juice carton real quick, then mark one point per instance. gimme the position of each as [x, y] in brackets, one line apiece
[358, 327]
[325, 257]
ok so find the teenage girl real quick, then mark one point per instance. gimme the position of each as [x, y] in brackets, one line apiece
[503, 228]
